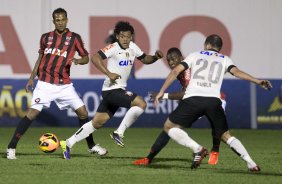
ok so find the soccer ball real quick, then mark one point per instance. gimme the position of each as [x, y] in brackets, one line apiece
[48, 143]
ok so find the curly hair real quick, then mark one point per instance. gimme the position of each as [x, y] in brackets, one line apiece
[123, 26]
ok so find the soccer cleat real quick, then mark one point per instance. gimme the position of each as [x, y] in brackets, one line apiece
[143, 161]
[11, 154]
[213, 158]
[117, 138]
[198, 157]
[255, 169]
[66, 150]
[98, 149]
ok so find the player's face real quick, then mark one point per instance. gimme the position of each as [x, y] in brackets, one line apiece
[60, 21]
[124, 38]
[173, 59]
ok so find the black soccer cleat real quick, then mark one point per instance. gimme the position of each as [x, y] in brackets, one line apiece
[198, 157]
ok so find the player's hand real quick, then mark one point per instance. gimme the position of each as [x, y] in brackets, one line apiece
[152, 95]
[265, 84]
[75, 61]
[113, 77]
[29, 86]
[158, 97]
[159, 54]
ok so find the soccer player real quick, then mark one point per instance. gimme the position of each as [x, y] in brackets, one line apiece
[202, 97]
[174, 57]
[56, 55]
[120, 56]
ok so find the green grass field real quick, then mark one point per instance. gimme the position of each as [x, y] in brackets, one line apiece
[172, 165]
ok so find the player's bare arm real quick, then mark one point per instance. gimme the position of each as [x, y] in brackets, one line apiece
[99, 64]
[82, 61]
[30, 83]
[149, 59]
[169, 80]
[245, 76]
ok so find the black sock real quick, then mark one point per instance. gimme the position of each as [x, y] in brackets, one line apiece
[215, 142]
[89, 139]
[20, 130]
[159, 144]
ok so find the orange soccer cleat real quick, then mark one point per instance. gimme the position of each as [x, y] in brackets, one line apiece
[143, 161]
[213, 158]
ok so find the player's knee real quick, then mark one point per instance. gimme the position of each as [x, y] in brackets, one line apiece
[225, 136]
[82, 112]
[140, 102]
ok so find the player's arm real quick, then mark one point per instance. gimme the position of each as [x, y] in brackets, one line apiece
[149, 59]
[245, 76]
[169, 80]
[30, 82]
[82, 61]
[97, 60]
[171, 96]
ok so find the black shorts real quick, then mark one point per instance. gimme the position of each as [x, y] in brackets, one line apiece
[192, 108]
[113, 99]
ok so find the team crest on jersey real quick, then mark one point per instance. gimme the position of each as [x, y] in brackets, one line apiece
[68, 39]
[50, 40]
[129, 93]
[37, 100]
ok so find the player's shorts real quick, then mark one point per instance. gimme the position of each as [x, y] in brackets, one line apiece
[113, 99]
[64, 96]
[192, 108]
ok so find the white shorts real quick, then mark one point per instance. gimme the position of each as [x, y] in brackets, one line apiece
[64, 96]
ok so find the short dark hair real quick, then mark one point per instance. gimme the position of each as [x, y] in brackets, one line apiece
[59, 10]
[174, 50]
[215, 41]
[123, 26]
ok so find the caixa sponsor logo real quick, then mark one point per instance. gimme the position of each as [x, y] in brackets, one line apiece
[125, 63]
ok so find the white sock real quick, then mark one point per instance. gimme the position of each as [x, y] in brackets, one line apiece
[181, 137]
[81, 134]
[238, 148]
[130, 117]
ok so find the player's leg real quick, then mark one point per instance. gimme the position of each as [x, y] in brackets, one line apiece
[136, 106]
[39, 100]
[236, 146]
[158, 145]
[88, 128]
[21, 128]
[213, 159]
[92, 147]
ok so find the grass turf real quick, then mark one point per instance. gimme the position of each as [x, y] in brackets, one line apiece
[172, 165]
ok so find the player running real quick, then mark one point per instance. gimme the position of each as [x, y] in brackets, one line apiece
[120, 56]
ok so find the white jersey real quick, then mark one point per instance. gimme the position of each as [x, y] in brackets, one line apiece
[207, 71]
[120, 61]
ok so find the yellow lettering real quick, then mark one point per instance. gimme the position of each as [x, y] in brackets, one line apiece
[6, 102]
[22, 98]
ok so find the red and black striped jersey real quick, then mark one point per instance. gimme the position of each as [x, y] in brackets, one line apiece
[184, 78]
[58, 51]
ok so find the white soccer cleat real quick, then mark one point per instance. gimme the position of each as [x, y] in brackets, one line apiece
[99, 150]
[11, 154]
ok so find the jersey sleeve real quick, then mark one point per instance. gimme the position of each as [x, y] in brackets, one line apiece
[42, 44]
[80, 46]
[229, 64]
[107, 51]
[138, 52]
